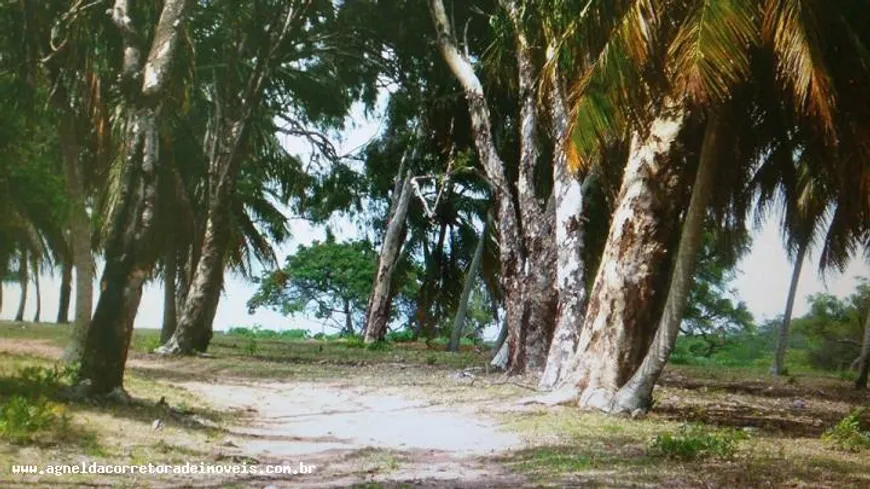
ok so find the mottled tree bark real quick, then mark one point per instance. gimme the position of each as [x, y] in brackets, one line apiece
[620, 320]
[130, 227]
[529, 345]
[378, 311]
[637, 392]
[570, 282]
[510, 240]
[778, 367]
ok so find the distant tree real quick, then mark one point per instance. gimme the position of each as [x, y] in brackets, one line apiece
[713, 310]
[833, 329]
[328, 280]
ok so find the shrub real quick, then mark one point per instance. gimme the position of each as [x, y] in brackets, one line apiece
[251, 348]
[847, 434]
[695, 442]
[295, 334]
[354, 342]
[403, 336]
[21, 419]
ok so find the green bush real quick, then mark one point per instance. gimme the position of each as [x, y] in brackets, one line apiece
[354, 342]
[22, 419]
[695, 442]
[847, 435]
[251, 348]
[259, 332]
[403, 336]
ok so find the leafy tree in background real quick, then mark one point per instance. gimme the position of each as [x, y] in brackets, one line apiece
[327, 280]
[712, 312]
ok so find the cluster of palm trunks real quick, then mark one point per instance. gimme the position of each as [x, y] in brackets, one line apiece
[684, 128]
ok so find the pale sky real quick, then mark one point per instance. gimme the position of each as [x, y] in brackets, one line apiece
[762, 282]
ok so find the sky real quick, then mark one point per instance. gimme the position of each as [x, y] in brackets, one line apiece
[762, 281]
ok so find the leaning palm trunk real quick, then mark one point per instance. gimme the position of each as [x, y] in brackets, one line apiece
[22, 282]
[510, 243]
[378, 311]
[637, 393]
[570, 285]
[470, 279]
[194, 330]
[864, 359]
[617, 330]
[131, 224]
[784, 326]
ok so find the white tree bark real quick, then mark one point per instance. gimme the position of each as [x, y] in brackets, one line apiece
[378, 312]
[637, 392]
[510, 243]
[570, 281]
[778, 367]
[617, 327]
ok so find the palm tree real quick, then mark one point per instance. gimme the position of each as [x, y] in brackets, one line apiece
[710, 49]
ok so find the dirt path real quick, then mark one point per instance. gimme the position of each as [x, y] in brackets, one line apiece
[362, 434]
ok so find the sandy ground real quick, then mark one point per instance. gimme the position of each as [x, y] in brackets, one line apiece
[352, 434]
[343, 430]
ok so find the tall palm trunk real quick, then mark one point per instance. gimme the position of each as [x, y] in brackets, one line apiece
[784, 326]
[864, 359]
[130, 226]
[170, 315]
[470, 279]
[79, 226]
[22, 283]
[570, 285]
[619, 322]
[65, 292]
[510, 241]
[378, 311]
[37, 315]
[637, 393]
[193, 332]
[529, 345]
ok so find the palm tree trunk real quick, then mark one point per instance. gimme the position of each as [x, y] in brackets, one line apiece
[22, 282]
[510, 241]
[637, 393]
[65, 292]
[529, 345]
[570, 282]
[130, 228]
[619, 322]
[80, 229]
[785, 325]
[38, 313]
[170, 314]
[864, 359]
[378, 311]
[194, 330]
[470, 279]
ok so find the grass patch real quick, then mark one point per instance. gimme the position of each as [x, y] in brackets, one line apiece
[694, 442]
